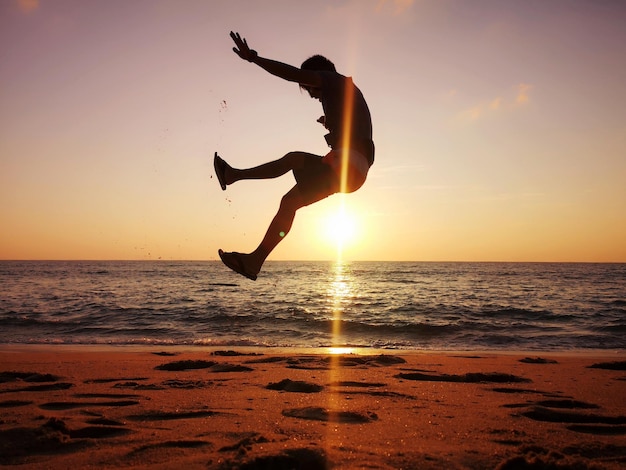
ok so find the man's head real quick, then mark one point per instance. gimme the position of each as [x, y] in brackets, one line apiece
[317, 63]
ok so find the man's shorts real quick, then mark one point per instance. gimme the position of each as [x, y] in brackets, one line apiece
[322, 176]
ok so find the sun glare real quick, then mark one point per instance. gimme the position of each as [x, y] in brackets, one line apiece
[341, 227]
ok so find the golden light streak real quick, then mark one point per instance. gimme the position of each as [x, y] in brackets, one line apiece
[340, 290]
[348, 108]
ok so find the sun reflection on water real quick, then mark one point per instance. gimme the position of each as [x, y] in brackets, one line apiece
[339, 350]
[340, 292]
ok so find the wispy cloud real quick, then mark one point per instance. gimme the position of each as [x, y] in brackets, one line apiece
[522, 93]
[472, 114]
[397, 7]
[491, 106]
[495, 104]
[27, 6]
[450, 95]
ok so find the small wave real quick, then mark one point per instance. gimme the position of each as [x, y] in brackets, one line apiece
[516, 312]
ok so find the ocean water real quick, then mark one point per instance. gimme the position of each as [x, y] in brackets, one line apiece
[430, 306]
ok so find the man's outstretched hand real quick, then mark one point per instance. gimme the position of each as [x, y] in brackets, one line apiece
[242, 49]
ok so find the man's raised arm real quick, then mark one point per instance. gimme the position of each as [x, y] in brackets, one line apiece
[279, 69]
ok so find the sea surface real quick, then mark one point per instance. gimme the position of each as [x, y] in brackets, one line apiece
[408, 305]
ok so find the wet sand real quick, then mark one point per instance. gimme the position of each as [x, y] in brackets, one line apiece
[78, 407]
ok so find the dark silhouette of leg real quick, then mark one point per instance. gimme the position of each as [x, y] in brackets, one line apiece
[249, 264]
[278, 229]
[274, 169]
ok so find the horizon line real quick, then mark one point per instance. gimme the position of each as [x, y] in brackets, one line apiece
[157, 260]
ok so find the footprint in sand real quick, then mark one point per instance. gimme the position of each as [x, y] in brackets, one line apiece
[14, 403]
[363, 388]
[552, 411]
[68, 405]
[537, 360]
[180, 444]
[304, 458]
[541, 413]
[618, 365]
[471, 377]
[186, 365]
[574, 457]
[231, 353]
[322, 414]
[526, 390]
[116, 379]
[351, 383]
[48, 382]
[166, 416]
[104, 422]
[44, 387]
[113, 401]
[52, 437]
[107, 395]
[245, 443]
[288, 385]
[13, 376]
[200, 364]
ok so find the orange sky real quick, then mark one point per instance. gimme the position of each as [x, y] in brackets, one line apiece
[499, 127]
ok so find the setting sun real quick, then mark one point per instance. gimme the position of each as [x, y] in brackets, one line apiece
[341, 227]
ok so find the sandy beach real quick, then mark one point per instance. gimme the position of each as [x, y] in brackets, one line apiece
[79, 407]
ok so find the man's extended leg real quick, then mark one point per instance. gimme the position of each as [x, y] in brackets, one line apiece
[250, 264]
[228, 175]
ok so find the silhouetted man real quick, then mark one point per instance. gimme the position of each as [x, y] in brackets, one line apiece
[344, 169]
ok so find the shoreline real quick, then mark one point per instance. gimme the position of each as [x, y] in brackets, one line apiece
[71, 406]
[331, 350]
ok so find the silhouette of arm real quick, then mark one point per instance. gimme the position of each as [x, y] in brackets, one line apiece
[279, 69]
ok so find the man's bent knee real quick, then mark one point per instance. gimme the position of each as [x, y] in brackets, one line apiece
[292, 201]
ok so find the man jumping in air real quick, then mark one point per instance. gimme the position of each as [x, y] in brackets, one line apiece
[344, 169]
